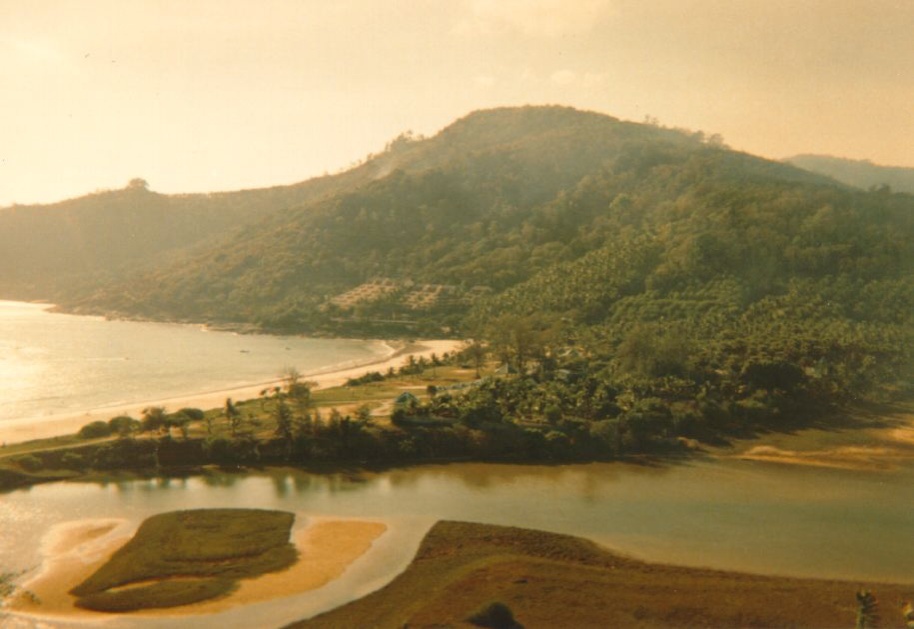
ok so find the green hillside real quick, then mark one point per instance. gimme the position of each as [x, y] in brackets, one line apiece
[54, 252]
[647, 285]
[480, 207]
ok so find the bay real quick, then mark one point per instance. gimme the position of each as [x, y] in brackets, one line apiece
[52, 364]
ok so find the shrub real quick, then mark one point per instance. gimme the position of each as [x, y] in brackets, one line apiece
[195, 414]
[123, 425]
[371, 376]
[94, 430]
[126, 453]
[29, 462]
[495, 615]
[72, 461]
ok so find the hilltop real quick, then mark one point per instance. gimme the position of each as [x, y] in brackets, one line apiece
[479, 208]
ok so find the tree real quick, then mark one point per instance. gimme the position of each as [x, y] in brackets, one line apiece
[138, 183]
[476, 352]
[363, 414]
[153, 419]
[519, 339]
[297, 390]
[284, 427]
[94, 430]
[232, 416]
[867, 610]
[180, 420]
[124, 425]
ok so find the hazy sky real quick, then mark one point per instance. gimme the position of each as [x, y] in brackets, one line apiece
[199, 95]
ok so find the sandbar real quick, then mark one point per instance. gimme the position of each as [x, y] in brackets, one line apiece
[28, 429]
[326, 548]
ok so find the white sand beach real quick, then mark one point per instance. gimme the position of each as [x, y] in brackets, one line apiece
[26, 429]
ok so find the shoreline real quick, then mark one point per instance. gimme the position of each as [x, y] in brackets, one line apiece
[31, 428]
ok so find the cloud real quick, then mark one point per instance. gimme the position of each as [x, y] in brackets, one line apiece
[534, 18]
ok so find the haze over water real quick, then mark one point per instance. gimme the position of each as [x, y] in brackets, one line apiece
[52, 364]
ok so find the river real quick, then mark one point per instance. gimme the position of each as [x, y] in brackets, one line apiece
[728, 514]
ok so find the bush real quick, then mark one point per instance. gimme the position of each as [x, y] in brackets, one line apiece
[73, 461]
[126, 454]
[371, 376]
[495, 615]
[29, 462]
[95, 430]
[123, 425]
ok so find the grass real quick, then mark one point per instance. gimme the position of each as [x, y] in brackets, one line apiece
[187, 556]
[160, 594]
[550, 580]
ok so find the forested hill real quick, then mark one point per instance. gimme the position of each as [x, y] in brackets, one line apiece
[480, 207]
[651, 284]
[54, 251]
[859, 173]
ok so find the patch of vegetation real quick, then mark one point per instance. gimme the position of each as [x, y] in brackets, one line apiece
[187, 556]
[495, 615]
[158, 595]
[95, 430]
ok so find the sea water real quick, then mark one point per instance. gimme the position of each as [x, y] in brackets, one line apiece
[52, 364]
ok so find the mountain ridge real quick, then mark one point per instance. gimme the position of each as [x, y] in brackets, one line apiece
[859, 173]
[486, 172]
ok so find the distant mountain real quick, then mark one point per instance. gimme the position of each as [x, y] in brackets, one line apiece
[859, 173]
[54, 251]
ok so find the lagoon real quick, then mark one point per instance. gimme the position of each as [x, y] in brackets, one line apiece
[728, 514]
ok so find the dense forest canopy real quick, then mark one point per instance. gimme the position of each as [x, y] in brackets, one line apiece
[643, 275]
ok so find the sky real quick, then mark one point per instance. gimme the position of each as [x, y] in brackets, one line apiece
[210, 95]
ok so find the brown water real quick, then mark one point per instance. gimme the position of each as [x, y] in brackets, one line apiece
[733, 515]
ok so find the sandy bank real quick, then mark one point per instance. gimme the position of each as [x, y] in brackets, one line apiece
[847, 457]
[77, 549]
[72, 551]
[884, 447]
[27, 429]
